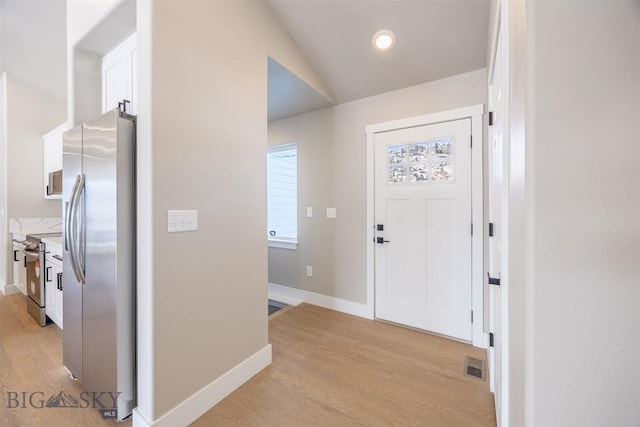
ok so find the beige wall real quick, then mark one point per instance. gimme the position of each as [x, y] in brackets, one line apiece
[30, 114]
[332, 173]
[202, 138]
[202, 76]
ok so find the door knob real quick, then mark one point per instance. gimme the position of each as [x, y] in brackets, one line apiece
[493, 280]
[380, 240]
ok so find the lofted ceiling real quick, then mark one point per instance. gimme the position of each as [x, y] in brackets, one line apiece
[434, 39]
[288, 95]
[33, 36]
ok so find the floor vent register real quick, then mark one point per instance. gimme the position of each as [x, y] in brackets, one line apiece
[474, 368]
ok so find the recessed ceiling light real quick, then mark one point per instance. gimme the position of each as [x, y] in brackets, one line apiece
[384, 40]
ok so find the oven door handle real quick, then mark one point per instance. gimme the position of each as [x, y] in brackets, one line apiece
[72, 227]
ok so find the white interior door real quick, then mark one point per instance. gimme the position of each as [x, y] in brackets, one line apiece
[423, 227]
[497, 223]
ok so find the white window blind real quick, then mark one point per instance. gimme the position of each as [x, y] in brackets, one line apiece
[282, 192]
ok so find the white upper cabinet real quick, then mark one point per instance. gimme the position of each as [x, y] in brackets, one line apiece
[52, 161]
[119, 76]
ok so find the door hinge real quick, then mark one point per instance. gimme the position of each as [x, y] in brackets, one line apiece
[490, 118]
[472, 229]
[471, 316]
[471, 140]
[493, 280]
[490, 339]
[490, 229]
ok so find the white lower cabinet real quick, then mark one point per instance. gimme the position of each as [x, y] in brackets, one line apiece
[53, 289]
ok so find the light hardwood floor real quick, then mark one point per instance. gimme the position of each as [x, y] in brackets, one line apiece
[329, 369]
[332, 369]
[31, 362]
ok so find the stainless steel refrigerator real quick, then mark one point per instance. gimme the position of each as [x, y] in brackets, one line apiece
[98, 204]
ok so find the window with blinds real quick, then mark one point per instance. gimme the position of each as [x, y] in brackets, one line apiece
[282, 192]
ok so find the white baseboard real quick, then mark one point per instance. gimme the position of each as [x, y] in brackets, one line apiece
[294, 296]
[192, 408]
[9, 289]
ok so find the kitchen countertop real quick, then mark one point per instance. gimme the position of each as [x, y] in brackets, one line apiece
[24, 226]
[53, 245]
[53, 240]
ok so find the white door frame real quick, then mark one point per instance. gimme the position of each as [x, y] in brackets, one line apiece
[501, 29]
[475, 112]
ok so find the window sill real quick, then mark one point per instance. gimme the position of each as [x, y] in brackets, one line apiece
[282, 244]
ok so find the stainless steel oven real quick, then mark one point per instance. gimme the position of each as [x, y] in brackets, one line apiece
[35, 255]
[35, 290]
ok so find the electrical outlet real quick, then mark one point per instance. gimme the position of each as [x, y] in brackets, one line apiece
[309, 271]
[181, 220]
[331, 213]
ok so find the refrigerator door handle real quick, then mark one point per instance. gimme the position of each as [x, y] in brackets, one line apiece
[69, 237]
[65, 234]
[80, 216]
[78, 232]
[71, 223]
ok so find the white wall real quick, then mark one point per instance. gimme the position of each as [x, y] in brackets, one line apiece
[4, 220]
[520, 283]
[574, 213]
[332, 173]
[84, 16]
[93, 29]
[587, 213]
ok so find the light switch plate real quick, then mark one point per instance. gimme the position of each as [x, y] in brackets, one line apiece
[331, 213]
[182, 220]
[309, 212]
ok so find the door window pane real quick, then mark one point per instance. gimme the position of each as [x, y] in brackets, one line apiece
[397, 174]
[397, 154]
[418, 152]
[421, 162]
[442, 171]
[419, 173]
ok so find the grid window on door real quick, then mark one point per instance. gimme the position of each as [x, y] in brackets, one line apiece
[421, 162]
[282, 192]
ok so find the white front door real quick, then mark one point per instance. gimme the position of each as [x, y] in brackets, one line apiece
[423, 227]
